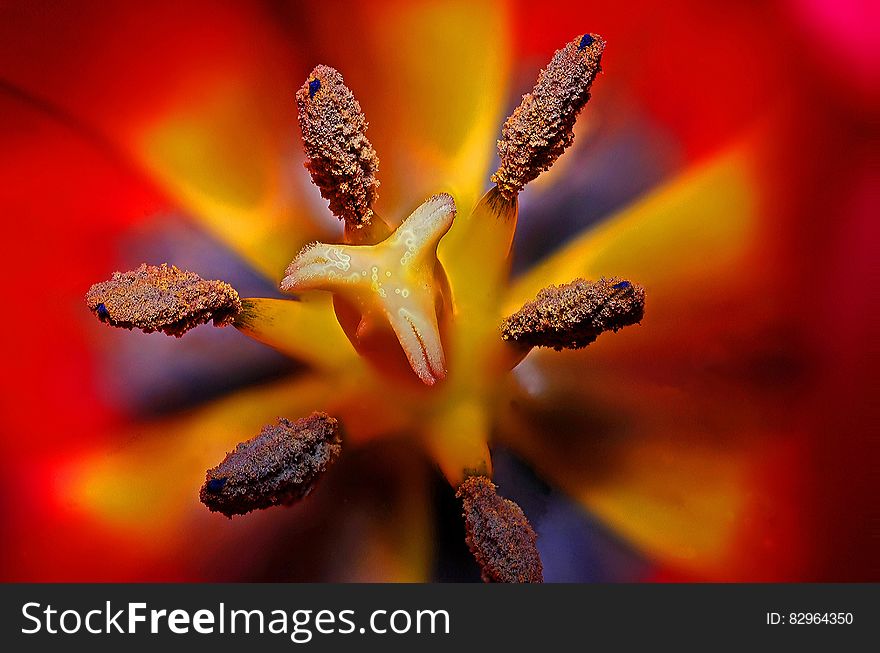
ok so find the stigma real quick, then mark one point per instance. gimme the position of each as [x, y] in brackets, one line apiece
[393, 281]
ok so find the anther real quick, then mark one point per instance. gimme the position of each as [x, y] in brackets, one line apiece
[541, 127]
[279, 466]
[499, 535]
[573, 315]
[162, 298]
[340, 157]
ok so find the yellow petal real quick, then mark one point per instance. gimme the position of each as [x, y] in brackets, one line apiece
[150, 485]
[660, 474]
[227, 163]
[663, 429]
[145, 491]
[696, 228]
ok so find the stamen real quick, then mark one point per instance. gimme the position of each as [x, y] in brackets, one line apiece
[541, 127]
[340, 158]
[280, 466]
[573, 315]
[499, 535]
[162, 298]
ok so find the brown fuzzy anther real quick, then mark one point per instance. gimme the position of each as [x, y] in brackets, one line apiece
[499, 535]
[279, 466]
[541, 127]
[162, 298]
[341, 159]
[571, 316]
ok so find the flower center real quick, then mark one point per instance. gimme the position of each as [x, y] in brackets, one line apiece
[393, 281]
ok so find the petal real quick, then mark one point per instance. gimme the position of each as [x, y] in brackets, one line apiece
[159, 472]
[679, 432]
[686, 487]
[208, 114]
[127, 508]
[381, 527]
[142, 496]
[60, 240]
[696, 227]
[665, 57]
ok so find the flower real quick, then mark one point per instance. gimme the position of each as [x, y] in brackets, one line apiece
[711, 454]
[392, 289]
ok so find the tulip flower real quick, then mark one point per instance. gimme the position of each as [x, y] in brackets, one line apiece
[542, 304]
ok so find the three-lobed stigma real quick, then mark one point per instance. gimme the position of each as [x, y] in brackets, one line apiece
[392, 281]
